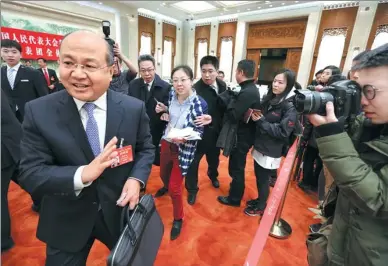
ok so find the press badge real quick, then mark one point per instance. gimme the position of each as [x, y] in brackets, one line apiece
[125, 155]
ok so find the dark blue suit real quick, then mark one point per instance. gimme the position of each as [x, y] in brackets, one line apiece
[55, 144]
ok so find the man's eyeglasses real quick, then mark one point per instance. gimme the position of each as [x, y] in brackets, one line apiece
[85, 68]
[369, 91]
[150, 70]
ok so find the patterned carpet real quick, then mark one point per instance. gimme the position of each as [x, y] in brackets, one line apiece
[212, 234]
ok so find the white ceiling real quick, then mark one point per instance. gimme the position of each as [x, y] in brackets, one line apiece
[191, 10]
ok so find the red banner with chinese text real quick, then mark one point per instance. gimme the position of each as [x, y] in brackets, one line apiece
[34, 44]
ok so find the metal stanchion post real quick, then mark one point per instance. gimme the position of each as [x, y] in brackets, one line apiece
[280, 228]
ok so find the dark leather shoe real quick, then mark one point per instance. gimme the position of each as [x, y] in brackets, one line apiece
[176, 229]
[161, 192]
[191, 198]
[215, 183]
[228, 201]
[35, 207]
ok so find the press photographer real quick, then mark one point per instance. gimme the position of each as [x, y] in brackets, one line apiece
[120, 80]
[359, 230]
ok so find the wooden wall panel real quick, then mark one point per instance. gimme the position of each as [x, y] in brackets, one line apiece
[201, 32]
[277, 34]
[381, 18]
[147, 26]
[228, 29]
[255, 56]
[293, 59]
[335, 18]
[169, 33]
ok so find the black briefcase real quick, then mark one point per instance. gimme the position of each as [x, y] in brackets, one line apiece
[142, 232]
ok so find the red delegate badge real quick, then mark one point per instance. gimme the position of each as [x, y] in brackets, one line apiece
[125, 155]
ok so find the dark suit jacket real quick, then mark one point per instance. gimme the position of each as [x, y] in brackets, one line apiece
[11, 134]
[52, 78]
[29, 85]
[55, 144]
[159, 90]
[211, 97]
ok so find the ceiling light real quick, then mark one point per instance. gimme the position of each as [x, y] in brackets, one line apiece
[248, 9]
[270, 5]
[238, 10]
[258, 7]
[283, 4]
[163, 4]
[157, 9]
[267, 2]
[100, 3]
[296, 1]
[194, 7]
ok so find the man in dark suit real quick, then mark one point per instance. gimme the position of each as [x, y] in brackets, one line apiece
[68, 147]
[151, 89]
[11, 133]
[248, 97]
[208, 87]
[21, 84]
[49, 75]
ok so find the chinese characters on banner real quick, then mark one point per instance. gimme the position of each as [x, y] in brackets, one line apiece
[34, 44]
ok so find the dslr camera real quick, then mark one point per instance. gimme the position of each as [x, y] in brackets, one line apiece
[345, 95]
[106, 31]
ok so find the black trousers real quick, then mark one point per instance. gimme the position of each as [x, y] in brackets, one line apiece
[311, 175]
[7, 174]
[213, 160]
[262, 182]
[56, 257]
[237, 162]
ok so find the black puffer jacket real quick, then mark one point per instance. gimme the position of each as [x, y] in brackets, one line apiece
[273, 130]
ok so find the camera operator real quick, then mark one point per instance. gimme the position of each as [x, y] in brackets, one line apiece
[121, 79]
[359, 232]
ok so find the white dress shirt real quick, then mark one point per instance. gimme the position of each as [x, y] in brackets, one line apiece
[16, 69]
[215, 86]
[149, 84]
[100, 117]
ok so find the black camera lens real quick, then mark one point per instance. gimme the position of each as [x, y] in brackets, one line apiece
[312, 102]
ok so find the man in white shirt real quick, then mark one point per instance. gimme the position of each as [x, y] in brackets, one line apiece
[69, 145]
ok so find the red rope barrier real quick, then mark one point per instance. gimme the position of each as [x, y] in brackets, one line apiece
[267, 220]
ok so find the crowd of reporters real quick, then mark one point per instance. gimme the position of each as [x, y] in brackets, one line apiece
[239, 121]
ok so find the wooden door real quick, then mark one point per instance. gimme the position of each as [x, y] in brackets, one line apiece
[293, 59]
[254, 55]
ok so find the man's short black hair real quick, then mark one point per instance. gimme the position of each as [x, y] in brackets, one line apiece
[146, 57]
[41, 58]
[221, 72]
[375, 58]
[210, 60]
[360, 55]
[7, 43]
[319, 72]
[247, 67]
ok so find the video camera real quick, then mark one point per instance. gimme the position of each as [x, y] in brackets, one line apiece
[345, 95]
[106, 31]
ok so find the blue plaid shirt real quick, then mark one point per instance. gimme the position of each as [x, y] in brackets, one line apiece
[198, 107]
